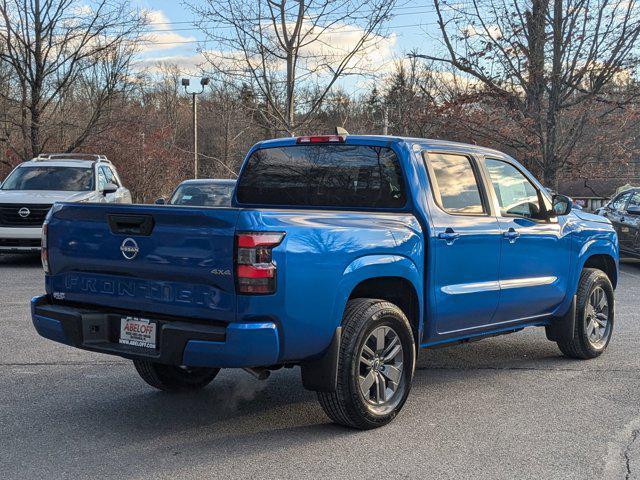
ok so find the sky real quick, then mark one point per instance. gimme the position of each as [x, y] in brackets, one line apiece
[176, 41]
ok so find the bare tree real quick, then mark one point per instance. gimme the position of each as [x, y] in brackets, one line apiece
[57, 49]
[284, 48]
[546, 63]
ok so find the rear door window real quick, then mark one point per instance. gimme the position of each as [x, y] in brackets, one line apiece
[455, 184]
[353, 176]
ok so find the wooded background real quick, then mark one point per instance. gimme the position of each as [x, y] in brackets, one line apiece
[552, 82]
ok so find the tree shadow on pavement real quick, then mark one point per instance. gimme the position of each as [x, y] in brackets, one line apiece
[21, 260]
[632, 264]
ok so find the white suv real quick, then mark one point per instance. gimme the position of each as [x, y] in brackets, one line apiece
[33, 187]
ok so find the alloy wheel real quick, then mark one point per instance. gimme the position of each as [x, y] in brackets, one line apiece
[597, 312]
[381, 366]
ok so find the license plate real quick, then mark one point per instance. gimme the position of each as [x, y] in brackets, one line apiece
[137, 332]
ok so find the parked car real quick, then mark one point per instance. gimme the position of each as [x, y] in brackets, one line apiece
[342, 255]
[624, 213]
[33, 187]
[213, 192]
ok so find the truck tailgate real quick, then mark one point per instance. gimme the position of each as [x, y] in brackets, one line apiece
[167, 260]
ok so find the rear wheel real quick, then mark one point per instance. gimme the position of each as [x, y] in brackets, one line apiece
[594, 316]
[171, 378]
[375, 366]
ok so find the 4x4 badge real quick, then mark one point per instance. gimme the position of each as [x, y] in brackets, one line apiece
[220, 271]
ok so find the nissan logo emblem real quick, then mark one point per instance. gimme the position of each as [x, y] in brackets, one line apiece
[24, 212]
[129, 248]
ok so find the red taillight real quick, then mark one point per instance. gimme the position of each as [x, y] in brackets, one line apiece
[255, 269]
[321, 139]
[251, 240]
[249, 271]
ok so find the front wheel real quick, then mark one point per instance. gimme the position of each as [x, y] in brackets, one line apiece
[375, 365]
[171, 378]
[594, 316]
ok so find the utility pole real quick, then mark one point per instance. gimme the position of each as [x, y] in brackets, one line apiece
[385, 121]
[196, 162]
[203, 83]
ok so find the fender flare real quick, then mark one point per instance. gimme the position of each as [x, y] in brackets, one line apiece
[377, 266]
[594, 246]
[321, 373]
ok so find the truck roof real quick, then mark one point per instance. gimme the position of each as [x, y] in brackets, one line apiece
[425, 142]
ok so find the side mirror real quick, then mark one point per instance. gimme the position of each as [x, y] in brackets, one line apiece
[633, 210]
[561, 205]
[109, 188]
[160, 201]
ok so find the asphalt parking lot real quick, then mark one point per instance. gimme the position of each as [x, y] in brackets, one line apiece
[507, 407]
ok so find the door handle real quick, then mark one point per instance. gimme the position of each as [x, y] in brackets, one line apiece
[449, 236]
[511, 235]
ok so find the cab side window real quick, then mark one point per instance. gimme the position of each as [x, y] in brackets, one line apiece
[517, 196]
[455, 184]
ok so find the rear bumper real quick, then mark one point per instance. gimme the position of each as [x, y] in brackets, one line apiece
[179, 342]
[20, 240]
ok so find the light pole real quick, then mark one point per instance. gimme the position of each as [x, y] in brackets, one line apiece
[203, 83]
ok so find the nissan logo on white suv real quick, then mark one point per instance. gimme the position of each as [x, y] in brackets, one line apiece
[24, 212]
[129, 248]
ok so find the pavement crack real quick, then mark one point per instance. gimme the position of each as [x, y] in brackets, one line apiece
[627, 453]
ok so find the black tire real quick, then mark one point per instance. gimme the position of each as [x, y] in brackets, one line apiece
[580, 346]
[347, 405]
[170, 378]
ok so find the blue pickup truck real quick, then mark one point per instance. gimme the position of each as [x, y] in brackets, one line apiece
[342, 255]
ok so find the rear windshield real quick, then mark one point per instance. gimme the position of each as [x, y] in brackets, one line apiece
[203, 195]
[72, 179]
[323, 176]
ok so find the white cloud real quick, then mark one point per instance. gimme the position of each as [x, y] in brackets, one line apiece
[492, 31]
[162, 36]
[334, 44]
[322, 52]
[82, 10]
[319, 56]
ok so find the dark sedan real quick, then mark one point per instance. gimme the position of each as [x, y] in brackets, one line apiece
[624, 212]
[202, 193]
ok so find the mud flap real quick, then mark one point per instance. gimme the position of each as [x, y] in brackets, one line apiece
[321, 374]
[561, 329]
